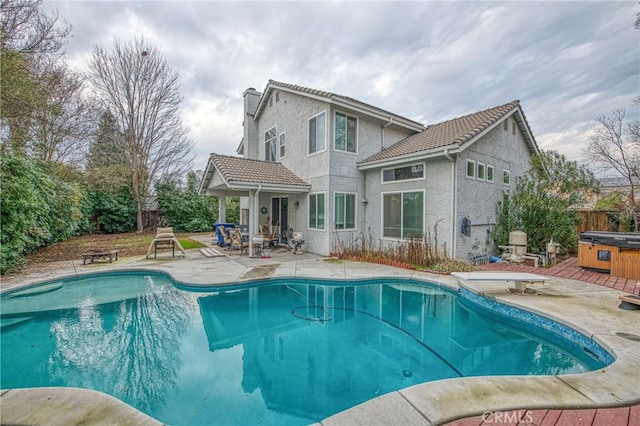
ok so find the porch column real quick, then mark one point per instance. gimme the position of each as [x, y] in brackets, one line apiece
[252, 215]
[222, 208]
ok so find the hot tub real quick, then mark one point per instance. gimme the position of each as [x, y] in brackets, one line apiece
[617, 253]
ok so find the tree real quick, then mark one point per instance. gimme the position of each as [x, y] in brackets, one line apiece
[182, 206]
[25, 28]
[543, 203]
[135, 84]
[614, 146]
[64, 125]
[111, 207]
[41, 100]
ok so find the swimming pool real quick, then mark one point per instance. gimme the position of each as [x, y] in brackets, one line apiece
[276, 352]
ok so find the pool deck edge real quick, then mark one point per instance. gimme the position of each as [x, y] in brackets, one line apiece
[587, 307]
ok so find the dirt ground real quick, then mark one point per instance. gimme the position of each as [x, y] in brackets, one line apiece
[129, 244]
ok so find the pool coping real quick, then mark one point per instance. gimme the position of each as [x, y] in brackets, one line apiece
[428, 403]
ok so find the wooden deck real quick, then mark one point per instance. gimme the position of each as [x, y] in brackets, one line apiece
[570, 269]
[629, 416]
[601, 417]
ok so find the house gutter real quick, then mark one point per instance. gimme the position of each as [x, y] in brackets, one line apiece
[406, 158]
[454, 228]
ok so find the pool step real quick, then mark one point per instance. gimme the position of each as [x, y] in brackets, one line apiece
[210, 252]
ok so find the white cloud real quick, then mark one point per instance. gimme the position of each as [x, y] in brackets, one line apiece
[566, 61]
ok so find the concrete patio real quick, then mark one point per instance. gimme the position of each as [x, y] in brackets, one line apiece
[589, 308]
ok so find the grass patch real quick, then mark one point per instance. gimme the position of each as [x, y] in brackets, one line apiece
[188, 243]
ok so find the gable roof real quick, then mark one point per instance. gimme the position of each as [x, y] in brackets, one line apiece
[243, 174]
[339, 100]
[453, 135]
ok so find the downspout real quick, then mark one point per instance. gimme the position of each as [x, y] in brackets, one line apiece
[454, 227]
[382, 132]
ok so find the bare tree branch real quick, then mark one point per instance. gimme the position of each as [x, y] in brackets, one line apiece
[615, 146]
[137, 86]
[25, 28]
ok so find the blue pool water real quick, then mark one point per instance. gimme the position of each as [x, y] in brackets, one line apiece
[291, 352]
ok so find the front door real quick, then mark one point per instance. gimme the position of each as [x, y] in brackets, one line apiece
[280, 214]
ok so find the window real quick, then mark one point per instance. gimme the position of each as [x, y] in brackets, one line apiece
[317, 128]
[505, 125]
[283, 143]
[316, 211]
[270, 153]
[403, 214]
[490, 173]
[506, 177]
[471, 169]
[414, 171]
[277, 96]
[344, 211]
[480, 175]
[346, 133]
[270, 101]
[513, 128]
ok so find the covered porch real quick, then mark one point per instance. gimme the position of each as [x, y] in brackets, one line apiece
[269, 193]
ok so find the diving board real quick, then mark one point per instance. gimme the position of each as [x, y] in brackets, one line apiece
[520, 279]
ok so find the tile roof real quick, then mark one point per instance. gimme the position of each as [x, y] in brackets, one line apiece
[456, 131]
[331, 96]
[244, 170]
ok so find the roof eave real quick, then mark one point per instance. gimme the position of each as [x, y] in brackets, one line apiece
[414, 156]
[523, 124]
[268, 187]
[206, 177]
[392, 118]
[397, 119]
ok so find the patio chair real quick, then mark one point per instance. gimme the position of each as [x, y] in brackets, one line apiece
[265, 234]
[165, 238]
[237, 242]
[225, 237]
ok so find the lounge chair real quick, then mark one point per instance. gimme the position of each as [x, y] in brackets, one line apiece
[165, 238]
[236, 241]
[630, 302]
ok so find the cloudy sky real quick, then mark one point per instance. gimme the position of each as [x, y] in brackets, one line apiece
[567, 62]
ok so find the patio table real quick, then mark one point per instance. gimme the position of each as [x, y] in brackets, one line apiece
[92, 255]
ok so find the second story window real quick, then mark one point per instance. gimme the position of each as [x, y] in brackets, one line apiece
[283, 144]
[270, 152]
[317, 133]
[506, 177]
[346, 133]
[414, 171]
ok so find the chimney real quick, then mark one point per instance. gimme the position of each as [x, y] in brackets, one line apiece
[251, 98]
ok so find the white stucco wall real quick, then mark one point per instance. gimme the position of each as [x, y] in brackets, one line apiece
[438, 199]
[329, 171]
[476, 200]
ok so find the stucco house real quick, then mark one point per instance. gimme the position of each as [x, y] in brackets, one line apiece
[334, 167]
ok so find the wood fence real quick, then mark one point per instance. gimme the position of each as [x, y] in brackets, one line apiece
[599, 221]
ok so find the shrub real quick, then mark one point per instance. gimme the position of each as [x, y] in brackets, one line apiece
[37, 207]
